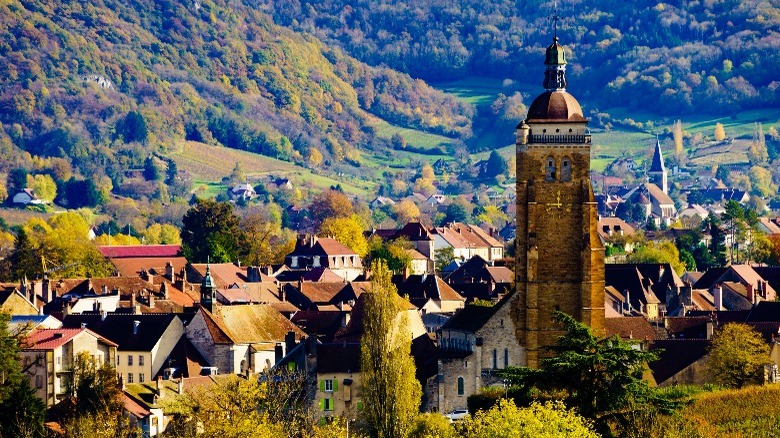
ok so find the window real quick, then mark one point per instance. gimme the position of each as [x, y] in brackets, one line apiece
[129, 377]
[326, 404]
[129, 359]
[39, 382]
[140, 360]
[495, 358]
[316, 261]
[566, 170]
[460, 386]
[550, 169]
[329, 386]
[506, 357]
[140, 377]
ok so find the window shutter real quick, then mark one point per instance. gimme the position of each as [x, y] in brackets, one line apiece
[322, 385]
[335, 384]
[359, 405]
[322, 404]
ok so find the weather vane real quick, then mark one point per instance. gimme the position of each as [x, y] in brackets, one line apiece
[555, 17]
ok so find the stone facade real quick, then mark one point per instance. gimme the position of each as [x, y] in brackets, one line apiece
[560, 258]
[470, 359]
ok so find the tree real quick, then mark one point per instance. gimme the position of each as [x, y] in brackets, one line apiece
[151, 171]
[265, 241]
[162, 234]
[758, 155]
[432, 425]
[456, 212]
[330, 204]
[315, 157]
[390, 391]
[737, 356]
[549, 420]
[43, 186]
[406, 211]
[720, 133]
[398, 141]
[443, 257]
[677, 135]
[211, 232]
[392, 252]
[496, 165]
[761, 182]
[23, 412]
[348, 231]
[133, 128]
[600, 377]
[664, 252]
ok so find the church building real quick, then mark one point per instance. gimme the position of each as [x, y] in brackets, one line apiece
[560, 258]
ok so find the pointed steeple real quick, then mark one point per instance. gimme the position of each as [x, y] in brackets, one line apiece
[657, 172]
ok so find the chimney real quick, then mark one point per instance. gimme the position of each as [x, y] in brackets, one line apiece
[151, 299]
[137, 309]
[104, 289]
[136, 323]
[660, 272]
[710, 329]
[164, 291]
[718, 297]
[751, 295]
[122, 383]
[46, 290]
[180, 385]
[160, 387]
[238, 263]
[103, 315]
[289, 342]
[169, 271]
[150, 277]
[90, 288]
[132, 299]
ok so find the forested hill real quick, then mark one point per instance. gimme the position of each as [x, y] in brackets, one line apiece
[105, 83]
[673, 57]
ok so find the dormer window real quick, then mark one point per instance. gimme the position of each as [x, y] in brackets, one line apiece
[316, 261]
[550, 169]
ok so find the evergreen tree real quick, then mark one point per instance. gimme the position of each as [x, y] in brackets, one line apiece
[600, 377]
[390, 391]
[496, 165]
[211, 229]
[25, 258]
[151, 171]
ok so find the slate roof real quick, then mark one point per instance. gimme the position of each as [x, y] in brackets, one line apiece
[186, 358]
[322, 275]
[477, 269]
[342, 357]
[676, 355]
[764, 311]
[119, 328]
[321, 324]
[658, 159]
[140, 251]
[687, 327]
[471, 318]
[421, 288]
[709, 278]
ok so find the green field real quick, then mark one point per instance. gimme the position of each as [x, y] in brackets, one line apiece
[413, 137]
[209, 164]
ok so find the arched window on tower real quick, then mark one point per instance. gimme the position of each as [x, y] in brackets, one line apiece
[550, 169]
[566, 169]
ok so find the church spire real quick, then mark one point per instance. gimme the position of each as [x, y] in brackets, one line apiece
[555, 60]
[657, 172]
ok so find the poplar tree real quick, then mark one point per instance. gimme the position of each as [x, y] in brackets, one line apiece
[390, 392]
[677, 134]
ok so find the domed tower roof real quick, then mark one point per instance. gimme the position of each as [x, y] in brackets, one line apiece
[555, 104]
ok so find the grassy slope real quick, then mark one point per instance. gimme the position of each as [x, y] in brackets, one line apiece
[15, 216]
[209, 164]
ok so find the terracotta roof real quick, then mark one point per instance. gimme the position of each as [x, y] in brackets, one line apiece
[321, 292]
[223, 274]
[133, 407]
[132, 266]
[614, 225]
[49, 339]
[501, 274]
[771, 226]
[703, 300]
[630, 328]
[333, 247]
[558, 106]
[415, 255]
[140, 251]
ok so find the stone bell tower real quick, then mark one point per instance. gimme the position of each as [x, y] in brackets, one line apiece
[560, 259]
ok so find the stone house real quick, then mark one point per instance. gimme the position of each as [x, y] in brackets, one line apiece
[468, 241]
[314, 252]
[429, 293]
[145, 342]
[241, 339]
[50, 354]
[474, 344]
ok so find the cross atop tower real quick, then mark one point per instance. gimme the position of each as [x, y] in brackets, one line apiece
[555, 18]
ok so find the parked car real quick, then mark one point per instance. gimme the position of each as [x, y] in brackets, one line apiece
[457, 415]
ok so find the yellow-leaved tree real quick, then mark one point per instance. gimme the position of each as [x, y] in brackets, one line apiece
[720, 132]
[737, 356]
[348, 231]
[391, 394]
[549, 420]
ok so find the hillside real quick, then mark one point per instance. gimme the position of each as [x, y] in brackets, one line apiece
[97, 87]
